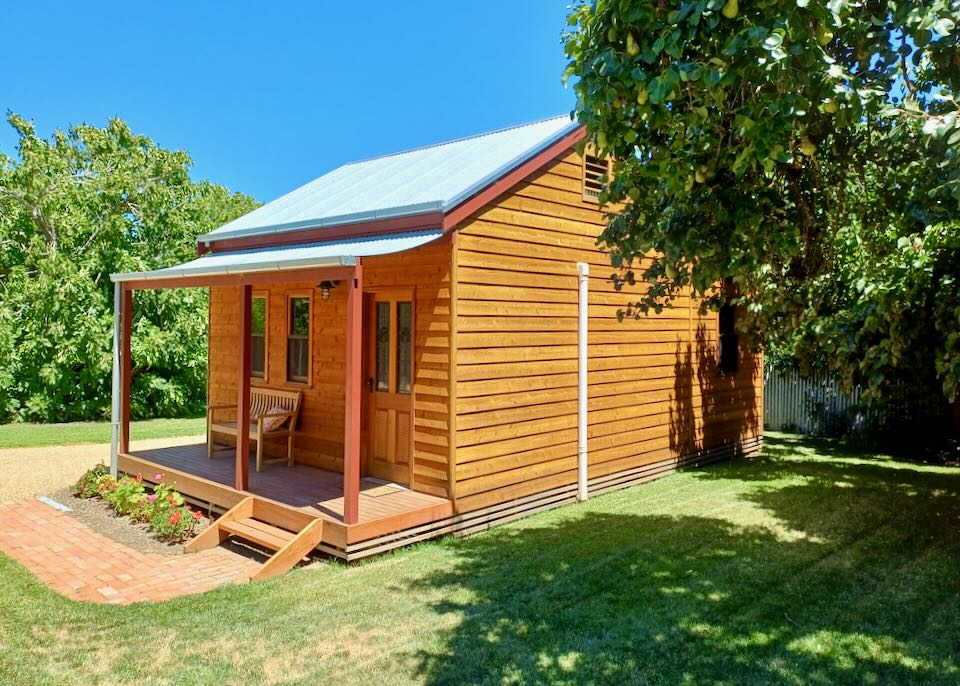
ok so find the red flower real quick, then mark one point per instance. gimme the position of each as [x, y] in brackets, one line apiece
[197, 515]
[175, 518]
[139, 478]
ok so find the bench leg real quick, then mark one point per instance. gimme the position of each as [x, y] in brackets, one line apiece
[209, 443]
[259, 453]
[290, 449]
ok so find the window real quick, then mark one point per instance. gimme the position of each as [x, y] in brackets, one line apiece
[593, 169]
[404, 346]
[729, 341]
[298, 340]
[258, 337]
[383, 346]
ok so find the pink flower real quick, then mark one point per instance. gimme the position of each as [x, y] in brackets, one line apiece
[197, 515]
[151, 497]
[158, 477]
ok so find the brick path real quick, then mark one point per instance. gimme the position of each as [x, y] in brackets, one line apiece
[82, 564]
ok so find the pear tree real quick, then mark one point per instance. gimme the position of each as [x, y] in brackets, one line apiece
[808, 150]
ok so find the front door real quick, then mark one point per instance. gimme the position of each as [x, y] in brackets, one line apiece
[390, 385]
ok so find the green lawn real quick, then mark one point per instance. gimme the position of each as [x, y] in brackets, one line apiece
[808, 565]
[35, 435]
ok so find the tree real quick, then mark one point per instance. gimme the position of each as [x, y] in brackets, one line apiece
[74, 209]
[808, 150]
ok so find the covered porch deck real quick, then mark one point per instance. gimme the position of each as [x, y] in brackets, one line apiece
[383, 508]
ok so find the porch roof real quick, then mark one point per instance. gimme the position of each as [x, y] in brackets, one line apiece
[301, 256]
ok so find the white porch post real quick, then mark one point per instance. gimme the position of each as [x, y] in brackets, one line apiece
[583, 274]
[115, 392]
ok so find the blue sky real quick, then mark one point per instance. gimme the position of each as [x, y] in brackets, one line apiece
[266, 96]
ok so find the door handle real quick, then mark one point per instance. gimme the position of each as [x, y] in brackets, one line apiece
[370, 384]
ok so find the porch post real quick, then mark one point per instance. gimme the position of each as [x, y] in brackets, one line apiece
[115, 385]
[353, 393]
[243, 393]
[126, 366]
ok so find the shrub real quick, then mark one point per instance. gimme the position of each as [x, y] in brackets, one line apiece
[163, 508]
[128, 496]
[86, 486]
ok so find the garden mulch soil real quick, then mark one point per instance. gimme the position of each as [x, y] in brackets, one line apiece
[99, 516]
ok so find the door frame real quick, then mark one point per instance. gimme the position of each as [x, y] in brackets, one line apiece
[369, 332]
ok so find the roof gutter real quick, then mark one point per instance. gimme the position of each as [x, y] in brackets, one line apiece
[228, 270]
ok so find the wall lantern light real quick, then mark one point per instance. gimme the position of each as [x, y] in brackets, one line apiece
[326, 287]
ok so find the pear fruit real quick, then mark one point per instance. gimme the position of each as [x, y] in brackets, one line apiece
[731, 9]
[632, 48]
[642, 96]
[611, 35]
[807, 147]
[824, 35]
[671, 271]
[830, 106]
[601, 140]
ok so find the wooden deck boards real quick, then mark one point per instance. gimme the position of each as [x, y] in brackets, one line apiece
[383, 508]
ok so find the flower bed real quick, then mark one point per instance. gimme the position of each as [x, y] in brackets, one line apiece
[161, 507]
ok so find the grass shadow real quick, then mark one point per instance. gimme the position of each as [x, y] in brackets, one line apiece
[825, 573]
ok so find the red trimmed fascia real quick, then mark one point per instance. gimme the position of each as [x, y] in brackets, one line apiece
[377, 227]
[446, 220]
[484, 197]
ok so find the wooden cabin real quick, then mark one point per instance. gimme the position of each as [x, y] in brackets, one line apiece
[450, 327]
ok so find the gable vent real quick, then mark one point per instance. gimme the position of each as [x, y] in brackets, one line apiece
[593, 168]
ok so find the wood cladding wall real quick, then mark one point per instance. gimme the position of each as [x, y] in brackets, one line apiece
[655, 391]
[319, 439]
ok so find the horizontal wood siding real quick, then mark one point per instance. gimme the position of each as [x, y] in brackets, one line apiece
[655, 390]
[427, 270]
[319, 440]
[320, 432]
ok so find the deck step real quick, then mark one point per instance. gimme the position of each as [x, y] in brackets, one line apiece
[258, 532]
[289, 532]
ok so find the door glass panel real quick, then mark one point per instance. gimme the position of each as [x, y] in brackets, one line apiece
[404, 346]
[383, 346]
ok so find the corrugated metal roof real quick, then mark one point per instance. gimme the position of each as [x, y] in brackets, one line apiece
[300, 256]
[430, 179]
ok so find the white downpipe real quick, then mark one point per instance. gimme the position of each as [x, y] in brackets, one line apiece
[115, 406]
[583, 272]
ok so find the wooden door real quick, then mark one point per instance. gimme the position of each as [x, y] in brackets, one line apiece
[390, 386]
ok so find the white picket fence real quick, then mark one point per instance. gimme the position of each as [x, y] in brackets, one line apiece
[813, 406]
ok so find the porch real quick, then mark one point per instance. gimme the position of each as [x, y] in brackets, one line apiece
[384, 508]
[341, 335]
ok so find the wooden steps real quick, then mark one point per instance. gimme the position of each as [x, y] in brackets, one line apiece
[289, 532]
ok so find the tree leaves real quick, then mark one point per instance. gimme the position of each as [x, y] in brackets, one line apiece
[73, 209]
[794, 147]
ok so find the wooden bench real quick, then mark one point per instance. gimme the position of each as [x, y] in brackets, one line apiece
[265, 404]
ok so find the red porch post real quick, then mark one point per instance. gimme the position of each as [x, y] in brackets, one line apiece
[353, 393]
[126, 367]
[243, 392]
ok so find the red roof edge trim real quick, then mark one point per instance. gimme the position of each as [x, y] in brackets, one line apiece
[376, 227]
[487, 195]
